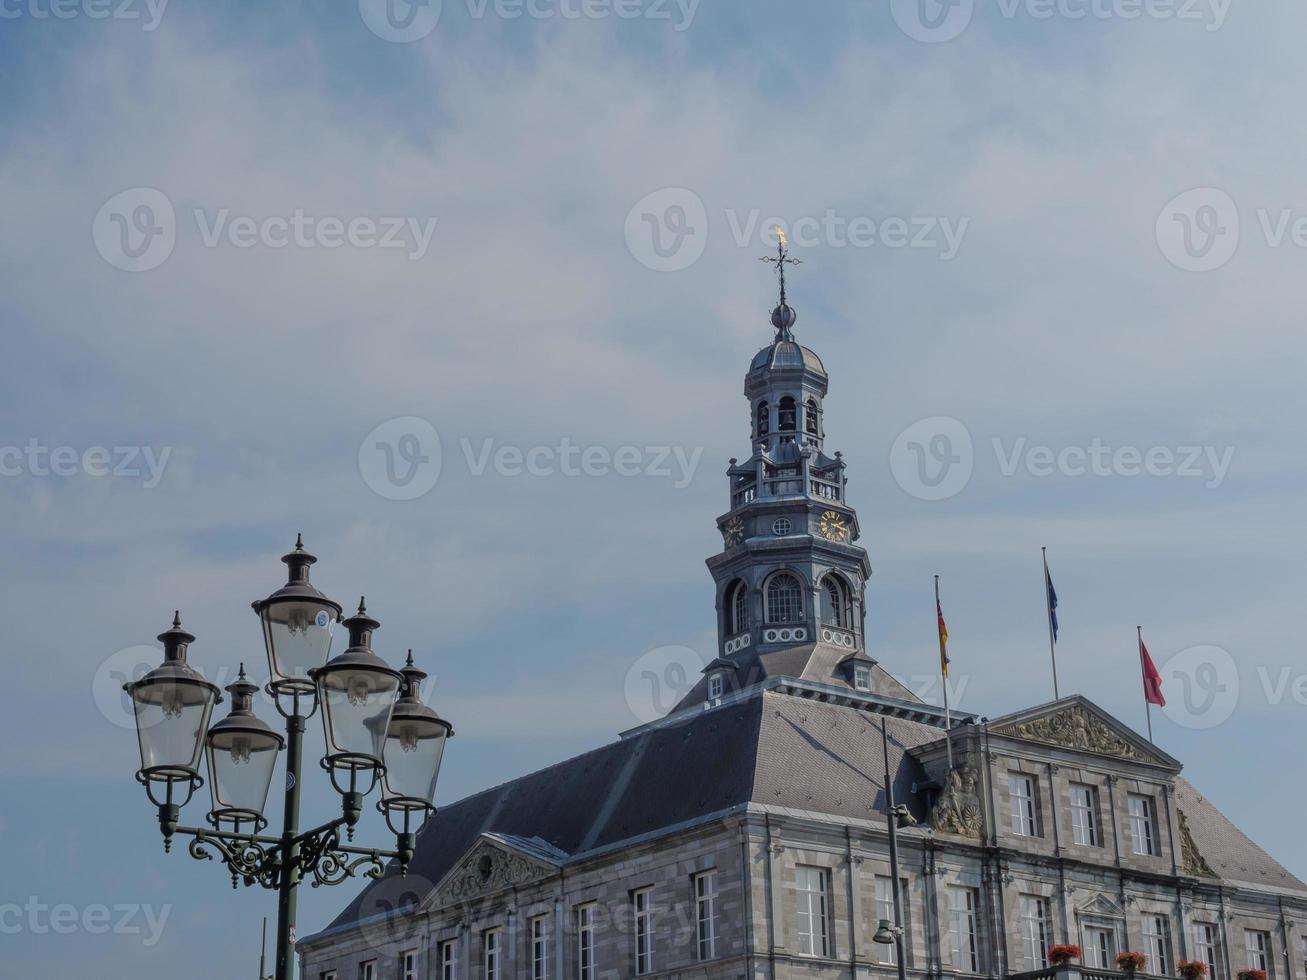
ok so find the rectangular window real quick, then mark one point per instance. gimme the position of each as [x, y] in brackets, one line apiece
[1257, 947]
[1025, 816]
[885, 910]
[540, 948]
[491, 953]
[1035, 930]
[327, 975]
[642, 900]
[812, 886]
[1206, 947]
[368, 970]
[448, 958]
[715, 687]
[1084, 815]
[408, 965]
[964, 934]
[585, 943]
[1157, 945]
[1143, 825]
[705, 904]
[862, 677]
[1100, 948]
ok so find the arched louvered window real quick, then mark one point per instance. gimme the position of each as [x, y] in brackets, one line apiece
[835, 610]
[789, 415]
[810, 421]
[784, 599]
[764, 419]
[739, 608]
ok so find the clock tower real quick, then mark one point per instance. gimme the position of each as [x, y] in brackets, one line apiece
[791, 576]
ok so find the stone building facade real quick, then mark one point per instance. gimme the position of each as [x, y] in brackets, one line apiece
[744, 835]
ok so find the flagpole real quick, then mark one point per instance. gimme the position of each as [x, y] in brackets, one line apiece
[1143, 671]
[943, 669]
[1052, 642]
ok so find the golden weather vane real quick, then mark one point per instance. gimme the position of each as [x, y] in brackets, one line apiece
[781, 259]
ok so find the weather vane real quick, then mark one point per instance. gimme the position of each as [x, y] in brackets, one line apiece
[781, 259]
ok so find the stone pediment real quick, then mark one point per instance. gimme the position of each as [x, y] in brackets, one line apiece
[494, 864]
[1101, 907]
[1081, 726]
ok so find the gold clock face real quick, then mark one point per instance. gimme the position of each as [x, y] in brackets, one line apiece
[833, 526]
[733, 532]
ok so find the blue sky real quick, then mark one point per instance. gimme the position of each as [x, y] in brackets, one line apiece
[1056, 147]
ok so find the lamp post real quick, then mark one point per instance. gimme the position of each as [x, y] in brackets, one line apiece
[891, 933]
[366, 706]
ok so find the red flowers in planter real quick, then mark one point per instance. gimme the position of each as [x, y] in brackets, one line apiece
[1252, 975]
[1064, 954]
[1192, 969]
[1131, 962]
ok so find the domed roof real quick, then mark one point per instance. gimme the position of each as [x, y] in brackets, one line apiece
[787, 355]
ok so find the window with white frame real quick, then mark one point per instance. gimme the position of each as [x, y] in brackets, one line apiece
[540, 947]
[812, 885]
[716, 686]
[1084, 815]
[642, 902]
[492, 954]
[1025, 812]
[447, 957]
[1143, 824]
[862, 677]
[1157, 945]
[408, 965]
[1100, 947]
[1207, 947]
[1035, 931]
[368, 970]
[784, 599]
[1257, 949]
[964, 929]
[585, 943]
[885, 910]
[705, 908]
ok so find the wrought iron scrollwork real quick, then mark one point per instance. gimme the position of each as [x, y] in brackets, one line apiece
[247, 859]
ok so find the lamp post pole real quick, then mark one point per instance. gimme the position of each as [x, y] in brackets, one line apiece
[289, 884]
[892, 817]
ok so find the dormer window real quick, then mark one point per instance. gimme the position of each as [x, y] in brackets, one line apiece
[784, 599]
[862, 678]
[716, 686]
[789, 415]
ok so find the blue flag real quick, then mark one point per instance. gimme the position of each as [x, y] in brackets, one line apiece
[1052, 601]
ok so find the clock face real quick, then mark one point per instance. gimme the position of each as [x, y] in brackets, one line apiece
[733, 532]
[833, 526]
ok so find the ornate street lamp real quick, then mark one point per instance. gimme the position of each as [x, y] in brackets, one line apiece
[298, 621]
[357, 691]
[172, 705]
[242, 753]
[415, 745]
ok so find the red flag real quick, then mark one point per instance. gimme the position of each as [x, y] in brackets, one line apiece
[1152, 678]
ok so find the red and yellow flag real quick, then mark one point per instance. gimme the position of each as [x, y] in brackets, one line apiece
[943, 638]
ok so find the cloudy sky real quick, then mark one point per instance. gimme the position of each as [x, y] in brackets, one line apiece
[467, 296]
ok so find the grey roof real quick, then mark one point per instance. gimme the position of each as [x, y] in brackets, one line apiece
[787, 355]
[1225, 847]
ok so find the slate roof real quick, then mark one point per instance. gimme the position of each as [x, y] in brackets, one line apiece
[746, 752]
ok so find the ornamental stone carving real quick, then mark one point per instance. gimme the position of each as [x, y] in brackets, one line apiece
[958, 810]
[488, 869]
[1192, 861]
[1075, 728]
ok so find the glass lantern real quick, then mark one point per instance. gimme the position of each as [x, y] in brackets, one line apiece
[298, 622]
[242, 753]
[415, 744]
